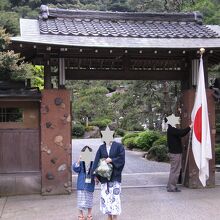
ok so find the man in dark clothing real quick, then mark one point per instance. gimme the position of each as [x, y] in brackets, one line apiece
[175, 154]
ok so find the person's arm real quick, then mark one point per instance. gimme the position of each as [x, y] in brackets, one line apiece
[77, 167]
[96, 161]
[95, 165]
[119, 161]
[180, 132]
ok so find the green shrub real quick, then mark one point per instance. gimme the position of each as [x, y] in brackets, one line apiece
[158, 153]
[89, 128]
[120, 132]
[102, 124]
[131, 142]
[146, 139]
[161, 141]
[138, 127]
[218, 127]
[217, 154]
[129, 135]
[78, 130]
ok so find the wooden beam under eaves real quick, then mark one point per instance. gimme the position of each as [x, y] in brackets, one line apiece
[122, 75]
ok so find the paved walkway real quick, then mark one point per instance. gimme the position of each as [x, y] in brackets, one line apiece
[144, 197]
[137, 204]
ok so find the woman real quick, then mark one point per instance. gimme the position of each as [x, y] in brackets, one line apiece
[110, 202]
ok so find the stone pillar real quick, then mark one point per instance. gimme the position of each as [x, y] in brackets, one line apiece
[192, 172]
[56, 142]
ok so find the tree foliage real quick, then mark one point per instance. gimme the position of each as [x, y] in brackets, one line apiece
[12, 66]
[4, 39]
[10, 69]
[143, 102]
[10, 22]
[139, 102]
[5, 5]
[209, 8]
[89, 101]
[37, 78]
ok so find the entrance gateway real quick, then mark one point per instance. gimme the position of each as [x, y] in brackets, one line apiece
[97, 45]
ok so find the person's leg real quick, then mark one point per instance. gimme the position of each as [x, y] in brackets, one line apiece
[80, 204]
[89, 211]
[178, 168]
[114, 217]
[81, 216]
[170, 180]
[109, 217]
[89, 215]
[175, 166]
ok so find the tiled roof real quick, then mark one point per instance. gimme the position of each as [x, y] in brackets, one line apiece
[10, 89]
[21, 93]
[123, 24]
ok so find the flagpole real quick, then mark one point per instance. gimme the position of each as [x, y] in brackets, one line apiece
[187, 156]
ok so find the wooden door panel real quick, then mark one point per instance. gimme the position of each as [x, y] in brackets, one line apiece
[19, 150]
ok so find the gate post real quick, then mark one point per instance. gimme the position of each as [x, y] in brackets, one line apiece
[192, 172]
[56, 146]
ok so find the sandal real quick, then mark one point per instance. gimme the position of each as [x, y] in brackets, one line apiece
[81, 217]
[89, 217]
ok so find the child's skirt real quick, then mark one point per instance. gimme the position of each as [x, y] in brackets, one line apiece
[84, 199]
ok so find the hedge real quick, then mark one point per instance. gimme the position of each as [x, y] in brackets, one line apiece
[146, 139]
[78, 130]
[162, 140]
[131, 142]
[158, 153]
[217, 154]
[120, 132]
[129, 135]
[102, 124]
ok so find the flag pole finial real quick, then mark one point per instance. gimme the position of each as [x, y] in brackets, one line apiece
[202, 51]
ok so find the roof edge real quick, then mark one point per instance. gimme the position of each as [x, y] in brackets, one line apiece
[46, 13]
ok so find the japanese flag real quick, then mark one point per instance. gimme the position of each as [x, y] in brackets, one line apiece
[201, 140]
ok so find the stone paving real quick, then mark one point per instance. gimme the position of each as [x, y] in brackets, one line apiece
[137, 204]
[144, 197]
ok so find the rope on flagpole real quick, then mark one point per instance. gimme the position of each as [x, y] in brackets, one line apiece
[187, 157]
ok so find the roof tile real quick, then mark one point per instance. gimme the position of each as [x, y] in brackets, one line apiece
[141, 25]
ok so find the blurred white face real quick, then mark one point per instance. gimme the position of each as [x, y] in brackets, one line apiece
[173, 120]
[107, 136]
[86, 156]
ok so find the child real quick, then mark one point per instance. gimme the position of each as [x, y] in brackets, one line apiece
[85, 186]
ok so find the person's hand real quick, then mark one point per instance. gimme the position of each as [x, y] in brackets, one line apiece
[80, 157]
[108, 160]
[96, 180]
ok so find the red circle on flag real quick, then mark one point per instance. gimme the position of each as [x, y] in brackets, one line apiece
[198, 125]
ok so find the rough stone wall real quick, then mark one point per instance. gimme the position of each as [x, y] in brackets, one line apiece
[56, 142]
[192, 172]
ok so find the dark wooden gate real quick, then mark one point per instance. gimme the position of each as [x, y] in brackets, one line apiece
[19, 151]
[19, 147]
